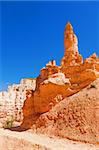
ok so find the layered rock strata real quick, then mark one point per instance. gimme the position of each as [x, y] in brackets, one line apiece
[11, 101]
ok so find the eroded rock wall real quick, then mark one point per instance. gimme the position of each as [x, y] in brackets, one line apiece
[12, 100]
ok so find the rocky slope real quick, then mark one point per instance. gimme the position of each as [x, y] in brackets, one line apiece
[75, 117]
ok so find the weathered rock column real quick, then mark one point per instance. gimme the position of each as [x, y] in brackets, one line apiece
[71, 54]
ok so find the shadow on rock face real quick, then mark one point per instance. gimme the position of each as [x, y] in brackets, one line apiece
[26, 124]
[18, 129]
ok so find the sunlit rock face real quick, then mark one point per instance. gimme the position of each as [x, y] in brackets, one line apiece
[11, 101]
[80, 72]
[71, 55]
[50, 69]
[75, 117]
[58, 82]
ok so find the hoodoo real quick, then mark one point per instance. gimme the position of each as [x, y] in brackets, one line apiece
[58, 82]
[71, 54]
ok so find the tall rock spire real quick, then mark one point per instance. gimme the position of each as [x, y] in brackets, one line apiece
[71, 54]
[70, 39]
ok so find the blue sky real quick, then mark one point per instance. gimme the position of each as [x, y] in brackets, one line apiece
[32, 33]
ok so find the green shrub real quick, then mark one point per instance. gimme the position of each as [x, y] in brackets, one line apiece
[8, 123]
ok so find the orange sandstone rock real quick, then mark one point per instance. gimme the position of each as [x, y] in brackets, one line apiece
[75, 117]
[71, 55]
[57, 82]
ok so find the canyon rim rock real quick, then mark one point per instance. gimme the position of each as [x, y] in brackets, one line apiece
[54, 84]
[11, 101]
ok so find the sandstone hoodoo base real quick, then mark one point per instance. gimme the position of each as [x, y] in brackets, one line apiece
[53, 109]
